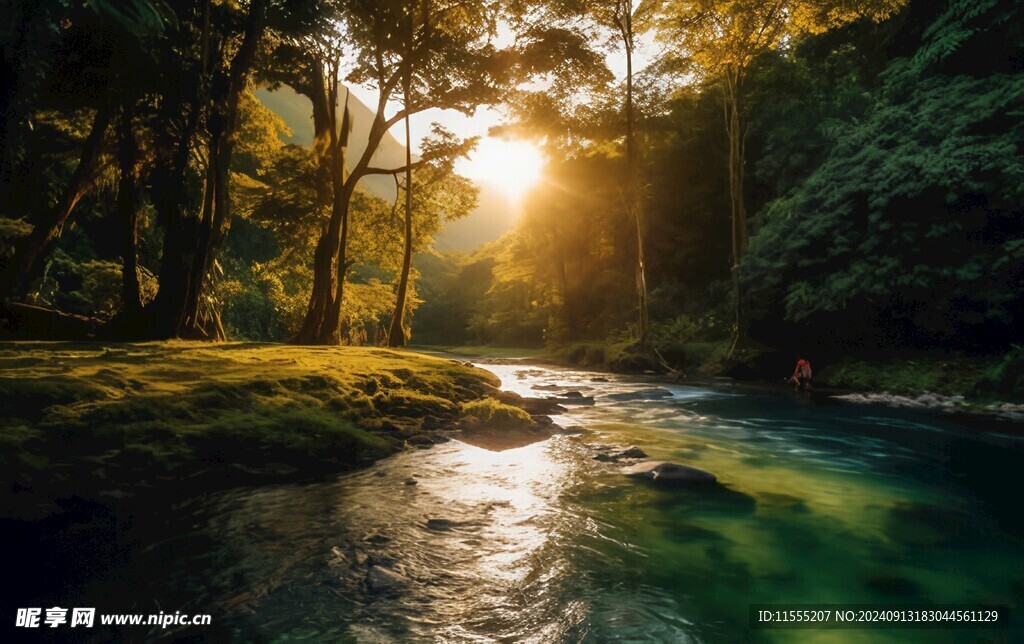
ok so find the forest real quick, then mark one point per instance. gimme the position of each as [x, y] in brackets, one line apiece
[473, 320]
[841, 179]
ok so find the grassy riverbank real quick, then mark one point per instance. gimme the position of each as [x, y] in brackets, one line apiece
[119, 421]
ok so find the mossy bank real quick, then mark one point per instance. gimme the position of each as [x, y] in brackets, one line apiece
[131, 420]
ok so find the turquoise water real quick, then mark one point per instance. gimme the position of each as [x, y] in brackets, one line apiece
[820, 503]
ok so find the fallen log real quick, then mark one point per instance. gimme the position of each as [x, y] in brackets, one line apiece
[20, 321]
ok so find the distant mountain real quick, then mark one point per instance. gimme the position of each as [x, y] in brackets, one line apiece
[493, 217]
[490, 220]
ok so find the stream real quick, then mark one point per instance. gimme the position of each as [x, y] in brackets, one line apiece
[821, 502]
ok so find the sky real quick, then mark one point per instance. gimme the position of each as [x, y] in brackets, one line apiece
[486, 117]
[502, 169]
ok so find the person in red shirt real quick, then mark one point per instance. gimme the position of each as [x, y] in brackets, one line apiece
[802, 375]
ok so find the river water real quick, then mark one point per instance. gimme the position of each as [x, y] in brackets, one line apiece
[820, 503]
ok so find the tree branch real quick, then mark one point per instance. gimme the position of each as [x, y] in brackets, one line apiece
[394, 171]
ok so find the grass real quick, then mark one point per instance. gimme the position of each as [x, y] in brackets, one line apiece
[90, 419]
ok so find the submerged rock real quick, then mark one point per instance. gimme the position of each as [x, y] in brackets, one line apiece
[532, 406]
[441, 525]
[381, 580]
[424, 441]
[631, 452]
[663, 472]
[574, 430]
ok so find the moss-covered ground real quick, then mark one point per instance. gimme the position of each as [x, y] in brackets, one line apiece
[95, 420]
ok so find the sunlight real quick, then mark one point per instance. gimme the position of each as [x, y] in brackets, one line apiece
[511, 166]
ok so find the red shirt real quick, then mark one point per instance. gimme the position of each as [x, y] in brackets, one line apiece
[803, 369]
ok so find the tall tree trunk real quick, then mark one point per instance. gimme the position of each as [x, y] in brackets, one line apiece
[396, 336]
[634, 199]
[322, 322]
[191, 242]
[737, 167]
[20, 268]
[215, 220]
[319, 94]
[330, 332]
[128, 213]
[164, 313]
[568, 310]
[323, 315]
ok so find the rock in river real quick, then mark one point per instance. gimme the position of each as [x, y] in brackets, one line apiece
[666, 473]
[631, 452]
[382, 580]
[441, 525]
[426, 440]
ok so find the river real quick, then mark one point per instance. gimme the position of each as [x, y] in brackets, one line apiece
[819, 503]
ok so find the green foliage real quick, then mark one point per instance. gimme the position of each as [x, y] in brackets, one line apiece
[945, 375]
[10, 231]
[1005, 378]
[89, 287]
[916, 199]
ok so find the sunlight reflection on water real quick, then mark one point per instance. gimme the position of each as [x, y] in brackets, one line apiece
[546, 544]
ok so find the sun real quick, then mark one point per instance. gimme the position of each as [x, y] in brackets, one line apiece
[510, 166]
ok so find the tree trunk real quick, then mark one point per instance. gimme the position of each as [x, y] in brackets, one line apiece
[323, 126]
[330, 333]
[323, 315]
[163, 314]
[396, 336]
[568, 310]
[200, 321]
[22, 265]
[321, 324]
[128, 213]
[737, 168]
[634, 202]
[191, 243]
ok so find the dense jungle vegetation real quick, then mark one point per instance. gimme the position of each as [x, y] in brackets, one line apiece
[843, 179]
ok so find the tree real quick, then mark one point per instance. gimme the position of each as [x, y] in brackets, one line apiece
[451, 64]
[191, 241]
[440, 195]
[718, 40]
[582, 33]
[54, 42]
[914, 213]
